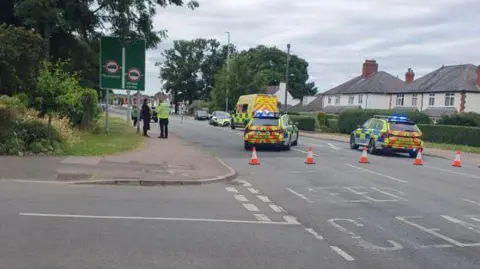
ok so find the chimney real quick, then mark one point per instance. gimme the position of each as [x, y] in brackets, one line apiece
[409, 76]
[478, 76]
[370, 67]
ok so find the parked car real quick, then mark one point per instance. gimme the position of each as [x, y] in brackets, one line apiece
[220, 118]
[201, 115]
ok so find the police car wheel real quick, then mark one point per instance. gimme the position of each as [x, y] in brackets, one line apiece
[295, 143]
[352, 143]
[413, 154]
[232, 126]
[371, 147]
[247, 146]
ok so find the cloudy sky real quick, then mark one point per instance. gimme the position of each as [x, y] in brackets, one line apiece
[335, 37]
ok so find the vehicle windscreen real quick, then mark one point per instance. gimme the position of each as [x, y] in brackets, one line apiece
[221, 115]
[264, 122]
[201, 113]
[403, 126]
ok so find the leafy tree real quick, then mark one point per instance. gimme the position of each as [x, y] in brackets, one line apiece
[21, 53]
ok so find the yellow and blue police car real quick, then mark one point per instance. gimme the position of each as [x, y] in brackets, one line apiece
[270, 129]
[396, 133]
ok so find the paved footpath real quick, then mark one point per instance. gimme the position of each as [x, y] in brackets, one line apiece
[158, 161]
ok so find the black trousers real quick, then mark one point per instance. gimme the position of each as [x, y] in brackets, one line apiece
[163, 128]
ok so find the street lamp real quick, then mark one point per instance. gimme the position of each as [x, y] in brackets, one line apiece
[228, 72]
[286, 77]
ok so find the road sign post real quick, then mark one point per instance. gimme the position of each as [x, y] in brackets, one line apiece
[122, 65]
[128, 107]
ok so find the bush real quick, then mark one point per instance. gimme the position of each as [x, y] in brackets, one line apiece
[321, 118]
[62, 126]
[449, 134]
[305, 123]
[462, 119]
[332, 126]
[293, 113]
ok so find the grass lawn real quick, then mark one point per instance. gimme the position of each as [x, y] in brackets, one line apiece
[121, 137]
[452, 147]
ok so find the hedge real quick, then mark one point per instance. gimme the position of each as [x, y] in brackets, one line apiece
[462, 119]
[349, 120]
[305, 123]
[449, 134]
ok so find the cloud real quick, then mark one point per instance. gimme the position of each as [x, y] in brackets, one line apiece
[335, 37]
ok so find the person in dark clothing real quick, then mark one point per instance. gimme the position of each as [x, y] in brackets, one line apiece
[146, 116]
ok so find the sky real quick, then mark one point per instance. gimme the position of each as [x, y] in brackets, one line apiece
[334, 37]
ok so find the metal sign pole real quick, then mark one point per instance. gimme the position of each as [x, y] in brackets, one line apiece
[138, 112]
[128, 107]
[106, 109]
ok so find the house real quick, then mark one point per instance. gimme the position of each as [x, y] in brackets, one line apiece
[309, 104]
[370, 90]
[160, 96]
[445, 91]
[279, 91]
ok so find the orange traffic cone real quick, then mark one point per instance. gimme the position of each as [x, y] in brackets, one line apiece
[364, 157]
[456, 162]
[254, 159]
[418, 160]
[309, 159]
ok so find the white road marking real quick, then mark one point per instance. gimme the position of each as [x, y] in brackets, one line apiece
[244, 183]
[469, 226]
[151, 218]
[254, 191]
[302, 151]
[264, 198]
[261, 217]
[470, 201]
[342, 253]
[377, 173]
[300, 195]
[333, 146]
[291, 219]
[448, 171]
[231, 189]
[241, 198]
[388, 194]
[315, 234]
[251, 207]
[276, 208]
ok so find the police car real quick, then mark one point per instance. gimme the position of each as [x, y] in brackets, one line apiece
[270, 129]
[396, 133]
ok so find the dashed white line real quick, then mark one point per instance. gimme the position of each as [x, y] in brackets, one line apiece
[251, 207]
[264, 198]
[241, 198]
[276, 208]
[300, 195]
[244, 183]
[377, 173]
[342, 253]
[470, 201]
[448, 171]
[290, 219]
[315, 234]
[231, 189]
[254, 191]
[261, 217]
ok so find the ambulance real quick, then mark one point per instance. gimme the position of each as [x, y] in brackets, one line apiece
[248, 105]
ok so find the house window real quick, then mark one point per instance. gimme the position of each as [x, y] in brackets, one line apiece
[449, 99]
[351, 99]
[360, 99]
[431, 99]
[329, 100]
[414, 99]
[337, 100]
[400, 99]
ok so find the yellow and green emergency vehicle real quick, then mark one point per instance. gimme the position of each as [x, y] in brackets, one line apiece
[270, 129]
[248, 105]
[395, 133]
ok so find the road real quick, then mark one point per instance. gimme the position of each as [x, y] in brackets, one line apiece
[283, 213]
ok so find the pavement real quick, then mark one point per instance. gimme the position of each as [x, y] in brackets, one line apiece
[337, 213]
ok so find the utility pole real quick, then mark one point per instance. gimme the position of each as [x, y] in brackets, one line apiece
[286, 78]
[228, 72]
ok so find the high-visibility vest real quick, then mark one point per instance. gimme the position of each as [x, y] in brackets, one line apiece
[163, 110]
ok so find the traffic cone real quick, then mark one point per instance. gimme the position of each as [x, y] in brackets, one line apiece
[309, 159]
[418, 160]
[364, 157]
[254, 159]
[456, 162]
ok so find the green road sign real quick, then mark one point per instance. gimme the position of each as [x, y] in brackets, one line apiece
[122, 64]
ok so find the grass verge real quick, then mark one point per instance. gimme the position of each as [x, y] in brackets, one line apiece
[122, 137]
[452, 147]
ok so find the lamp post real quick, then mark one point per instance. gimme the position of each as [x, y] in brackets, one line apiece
[286, 77]
[228, 72]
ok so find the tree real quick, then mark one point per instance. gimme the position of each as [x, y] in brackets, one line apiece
[252, 70]
[189, 68]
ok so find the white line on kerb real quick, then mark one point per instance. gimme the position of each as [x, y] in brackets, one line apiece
[241, 198]
[342, 253]
[300, 195]
[263, 198]
[152, 218]
[251, 207]
[276, 208]
[231, 189]
[376, 173]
